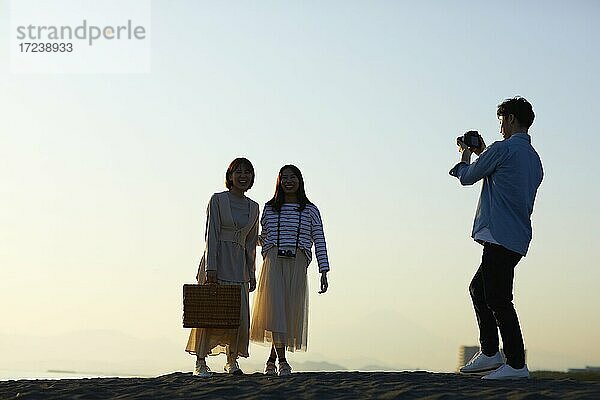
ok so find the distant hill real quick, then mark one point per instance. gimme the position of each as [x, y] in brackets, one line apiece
[317, 366]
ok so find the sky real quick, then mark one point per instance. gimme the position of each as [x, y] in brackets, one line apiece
[105, 178]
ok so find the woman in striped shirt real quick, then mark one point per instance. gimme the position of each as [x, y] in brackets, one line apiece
[290, 225]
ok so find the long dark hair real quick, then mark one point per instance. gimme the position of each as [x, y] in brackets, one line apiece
[278, 199]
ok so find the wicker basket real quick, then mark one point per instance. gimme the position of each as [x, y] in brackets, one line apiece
[211, 306]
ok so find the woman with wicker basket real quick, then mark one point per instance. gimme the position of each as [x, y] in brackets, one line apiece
[229, 258]
[290, 225]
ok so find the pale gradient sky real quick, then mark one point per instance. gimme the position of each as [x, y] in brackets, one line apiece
[105, 178]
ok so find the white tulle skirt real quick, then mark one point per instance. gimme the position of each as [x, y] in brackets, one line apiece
[280, 309]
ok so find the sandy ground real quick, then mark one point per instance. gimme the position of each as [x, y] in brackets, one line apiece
[307, 385]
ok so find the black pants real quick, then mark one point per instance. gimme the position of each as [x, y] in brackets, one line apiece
[492, 294]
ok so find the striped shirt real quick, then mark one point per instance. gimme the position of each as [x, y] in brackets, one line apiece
[311, 231]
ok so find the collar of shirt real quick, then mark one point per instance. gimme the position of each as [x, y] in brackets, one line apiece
[521, 135]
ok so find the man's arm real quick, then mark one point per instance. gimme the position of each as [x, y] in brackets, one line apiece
[469, 173]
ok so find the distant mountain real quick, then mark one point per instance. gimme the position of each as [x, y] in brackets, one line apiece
[317, 366]
[373, 364]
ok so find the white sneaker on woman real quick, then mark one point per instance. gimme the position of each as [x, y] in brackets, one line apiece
[270, 368]
[482, 363]
[508, 372]
[202, 370]
[284, 368]
[233, 368]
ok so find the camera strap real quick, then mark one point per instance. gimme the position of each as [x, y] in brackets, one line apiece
[297, 232]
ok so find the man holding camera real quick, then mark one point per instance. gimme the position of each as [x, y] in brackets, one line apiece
[511, 171]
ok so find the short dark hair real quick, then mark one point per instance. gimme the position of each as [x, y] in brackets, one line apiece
[233, 166]
[278, 198]
[520, 108]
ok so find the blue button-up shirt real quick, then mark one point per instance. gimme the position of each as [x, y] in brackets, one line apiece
[511, 171]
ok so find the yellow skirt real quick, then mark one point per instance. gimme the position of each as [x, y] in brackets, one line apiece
[212, 342]
[280, 309]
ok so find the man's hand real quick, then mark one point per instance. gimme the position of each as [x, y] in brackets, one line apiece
[252, 284]
[464, 150]
[481, 148]
[211, 276]
[462, 146]
[324, 283]
[466, 156]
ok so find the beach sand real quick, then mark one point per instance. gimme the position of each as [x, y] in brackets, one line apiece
[306, 385]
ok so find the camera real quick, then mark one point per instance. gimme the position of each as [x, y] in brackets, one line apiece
[471, 139]
[286, 253]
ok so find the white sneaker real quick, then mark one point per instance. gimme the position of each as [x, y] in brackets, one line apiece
[508, 372]
[284, 368]
[202, 371]
[270, 368]
[482, 363]
[233, 368]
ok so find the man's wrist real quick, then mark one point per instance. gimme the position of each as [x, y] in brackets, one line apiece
[466, 156]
